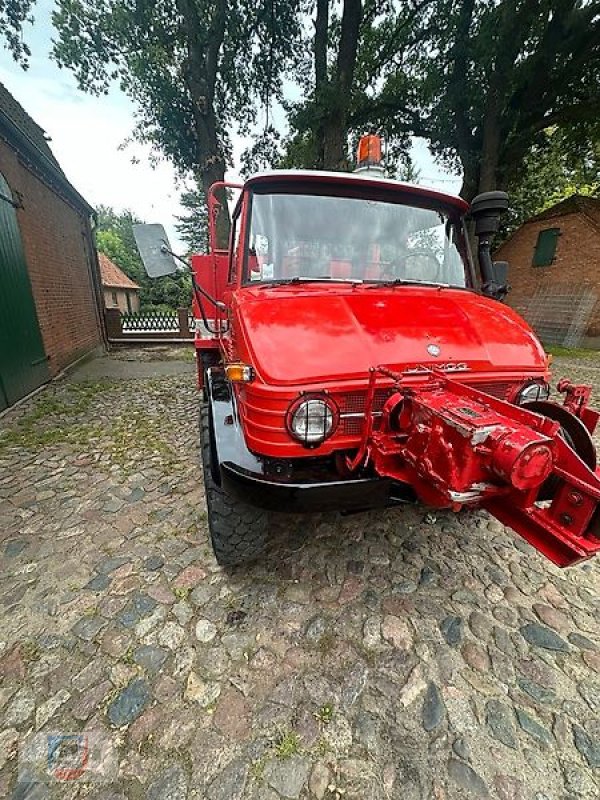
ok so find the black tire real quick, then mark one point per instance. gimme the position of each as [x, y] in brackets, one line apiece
[238, 531]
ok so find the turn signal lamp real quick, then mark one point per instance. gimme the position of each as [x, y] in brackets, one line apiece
[239, 373]
[369, 151]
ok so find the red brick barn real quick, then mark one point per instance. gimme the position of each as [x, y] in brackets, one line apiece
[554, 271]
[50, 294]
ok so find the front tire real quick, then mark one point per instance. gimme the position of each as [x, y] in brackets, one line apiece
[238, 531]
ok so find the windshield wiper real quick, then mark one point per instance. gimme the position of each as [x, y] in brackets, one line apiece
[405, 282]
[297, 279]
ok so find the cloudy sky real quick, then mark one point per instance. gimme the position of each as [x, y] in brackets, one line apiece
[86, 133]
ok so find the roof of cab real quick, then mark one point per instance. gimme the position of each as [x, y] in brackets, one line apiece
[354, 178]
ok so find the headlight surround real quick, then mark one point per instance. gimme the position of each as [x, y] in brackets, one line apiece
[533, 391]
[312, 418]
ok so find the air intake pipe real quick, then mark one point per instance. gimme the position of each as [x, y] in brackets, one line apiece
[486, 210]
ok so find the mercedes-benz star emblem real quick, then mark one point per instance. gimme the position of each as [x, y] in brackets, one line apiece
[433, 349]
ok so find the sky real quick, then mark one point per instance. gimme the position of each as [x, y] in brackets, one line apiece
[87, 133]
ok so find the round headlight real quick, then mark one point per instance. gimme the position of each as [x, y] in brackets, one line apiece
[312, 419]
[532, 391]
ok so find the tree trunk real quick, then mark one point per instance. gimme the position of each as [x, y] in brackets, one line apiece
[200, 76]
[321, 33]
[490, 148]
[335, 127]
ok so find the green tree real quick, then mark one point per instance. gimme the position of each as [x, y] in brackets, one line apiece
[13, 14]
[196, 69]
[483, 80]
[349, 54]
[552, 171]
[192, 226]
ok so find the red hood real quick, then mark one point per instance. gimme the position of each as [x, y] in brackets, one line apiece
[314, 334]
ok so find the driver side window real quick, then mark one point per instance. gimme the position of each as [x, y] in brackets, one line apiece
[234, 244]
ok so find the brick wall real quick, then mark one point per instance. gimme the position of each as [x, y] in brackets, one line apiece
[58, 260]
[576, 264]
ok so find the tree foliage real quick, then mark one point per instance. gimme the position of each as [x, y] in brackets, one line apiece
[482, 81]
[552, 171]
[192, 226]
[114, 237]
[13, 14]
[196, 69]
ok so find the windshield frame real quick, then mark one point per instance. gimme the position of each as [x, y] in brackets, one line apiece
[396, 196]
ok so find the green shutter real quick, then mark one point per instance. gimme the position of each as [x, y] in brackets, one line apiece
[545, 248]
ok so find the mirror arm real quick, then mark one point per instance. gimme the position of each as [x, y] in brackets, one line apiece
[197, 288]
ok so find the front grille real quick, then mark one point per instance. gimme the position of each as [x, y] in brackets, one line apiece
[355, 402]
[499, 390]
[351, 426]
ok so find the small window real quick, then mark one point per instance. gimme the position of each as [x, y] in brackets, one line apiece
[128, 297]
[115, 299]
[545, 247]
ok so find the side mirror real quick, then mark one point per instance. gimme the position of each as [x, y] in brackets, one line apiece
[486, 210]
[155, 250]
[500, 272]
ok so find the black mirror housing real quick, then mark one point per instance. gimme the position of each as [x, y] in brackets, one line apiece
[486, 210]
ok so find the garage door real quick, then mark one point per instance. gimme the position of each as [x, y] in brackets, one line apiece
[23, 362]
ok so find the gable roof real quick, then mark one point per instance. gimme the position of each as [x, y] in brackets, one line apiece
[577, 203]
[112, 276]
[29, 139]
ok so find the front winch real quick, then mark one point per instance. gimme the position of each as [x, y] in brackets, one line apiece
[458, 446]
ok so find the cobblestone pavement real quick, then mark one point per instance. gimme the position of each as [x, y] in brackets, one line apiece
[383, 655]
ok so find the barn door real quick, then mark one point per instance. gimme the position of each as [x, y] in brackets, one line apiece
[23, 362]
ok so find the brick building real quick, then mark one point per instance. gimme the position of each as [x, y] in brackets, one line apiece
[50, 294]
[554, 272]
[119, 290]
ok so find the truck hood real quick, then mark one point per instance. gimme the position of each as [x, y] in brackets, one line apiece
[312, 334]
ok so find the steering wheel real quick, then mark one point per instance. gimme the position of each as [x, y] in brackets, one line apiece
[427, 254]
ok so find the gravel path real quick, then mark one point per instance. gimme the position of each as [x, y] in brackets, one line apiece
[384, 655]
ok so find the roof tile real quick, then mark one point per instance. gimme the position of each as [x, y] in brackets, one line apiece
[113, 276]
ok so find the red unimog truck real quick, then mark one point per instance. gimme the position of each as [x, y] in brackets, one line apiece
[354, 354]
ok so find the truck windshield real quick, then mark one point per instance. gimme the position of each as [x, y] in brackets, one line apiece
[302, 236]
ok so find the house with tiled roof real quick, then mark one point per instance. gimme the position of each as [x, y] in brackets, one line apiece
[119, 290]
[50, 292]
[554, 272]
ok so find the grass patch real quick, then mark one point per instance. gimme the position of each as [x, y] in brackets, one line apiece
[30, 651]
[287, 745]
[187, 354]
[136, 437]
[257, 770]
[325, 713]
[51, 420]
[574, 352]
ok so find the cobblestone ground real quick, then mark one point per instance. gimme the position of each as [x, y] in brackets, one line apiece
[384, 655]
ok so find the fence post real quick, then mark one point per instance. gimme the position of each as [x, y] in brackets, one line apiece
[114, 328]
[184, 327]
